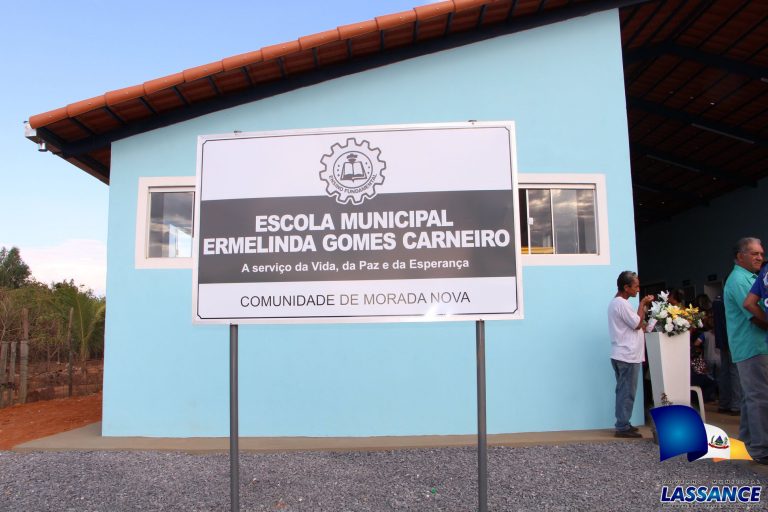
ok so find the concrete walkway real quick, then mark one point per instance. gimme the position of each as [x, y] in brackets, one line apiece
[89, 438]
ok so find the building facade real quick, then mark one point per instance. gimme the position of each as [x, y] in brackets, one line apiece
[562, 85]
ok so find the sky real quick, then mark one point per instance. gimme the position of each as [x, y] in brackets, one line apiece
[55, 53]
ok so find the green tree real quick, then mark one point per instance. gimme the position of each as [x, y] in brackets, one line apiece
[88, 319]
[14, 273]
[44, 319]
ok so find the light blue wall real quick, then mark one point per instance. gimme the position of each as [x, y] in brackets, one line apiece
[563, 85]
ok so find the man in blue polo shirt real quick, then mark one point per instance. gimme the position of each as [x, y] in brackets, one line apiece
[748, 348]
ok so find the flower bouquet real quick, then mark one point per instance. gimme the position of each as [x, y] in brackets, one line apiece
[671, 319]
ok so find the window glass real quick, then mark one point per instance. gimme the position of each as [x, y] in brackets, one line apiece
[558, 221]
[170, 225]
[523, 206]
[566, 221]
[540, 221]
[587, 222]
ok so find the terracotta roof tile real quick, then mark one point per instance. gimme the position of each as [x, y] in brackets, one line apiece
[98, 121]
[125, 94]
[197, 91]
[358, 29]
[298, 62]
[279, 50]
[67, 130]
[131, 110]
[431, 10]
[332, 52]
[433, 27]
[192, 74]
[80, 107]
[466, 19]
[232, 80]
[395, 20]
[319, 39]
[335, 45]
[164, 100]
[365, 44]
[462, 5]
[47, 118]
[524, 7]
[242, 60]
[264, 71]
[401, 35]
[497, 12]
[158, 84]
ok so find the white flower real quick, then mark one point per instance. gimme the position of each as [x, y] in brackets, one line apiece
[663, 313]
[680, 321]
[664, 296]
[668, 327]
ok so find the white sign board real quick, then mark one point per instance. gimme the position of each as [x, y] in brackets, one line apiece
[377, 223]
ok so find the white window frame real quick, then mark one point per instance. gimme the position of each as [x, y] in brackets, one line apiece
[146, 186]
[595, 182]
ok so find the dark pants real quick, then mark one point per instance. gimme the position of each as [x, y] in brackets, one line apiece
[728, 383]
[707, 385]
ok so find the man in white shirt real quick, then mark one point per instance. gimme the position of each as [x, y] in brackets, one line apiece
[625, 326]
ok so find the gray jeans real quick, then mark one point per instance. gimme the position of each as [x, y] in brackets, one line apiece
[753, 427]
[626, 386]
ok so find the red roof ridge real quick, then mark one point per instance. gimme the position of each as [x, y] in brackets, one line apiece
[165, 82]
[266, 53]
[242, 60]
[83, 106]
[393, 20]
[357, 29]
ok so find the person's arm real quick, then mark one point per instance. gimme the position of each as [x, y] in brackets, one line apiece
[750, 304]
[760, 324]
[641, 310]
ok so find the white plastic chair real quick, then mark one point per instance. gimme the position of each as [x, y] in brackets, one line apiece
[700, 395]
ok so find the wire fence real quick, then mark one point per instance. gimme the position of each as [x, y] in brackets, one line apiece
[47, 380]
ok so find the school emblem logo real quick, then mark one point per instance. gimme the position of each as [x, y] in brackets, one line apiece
[719, 442]
[353, 171]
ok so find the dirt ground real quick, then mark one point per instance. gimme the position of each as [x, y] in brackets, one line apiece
[22, 423]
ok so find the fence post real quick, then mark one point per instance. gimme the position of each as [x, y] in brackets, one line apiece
[85, 377]
[69, 343]
[3, 365]
[12, 372]
[24, 356]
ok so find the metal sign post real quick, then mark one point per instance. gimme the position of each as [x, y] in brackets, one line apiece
[482, 438]
[234, 449]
